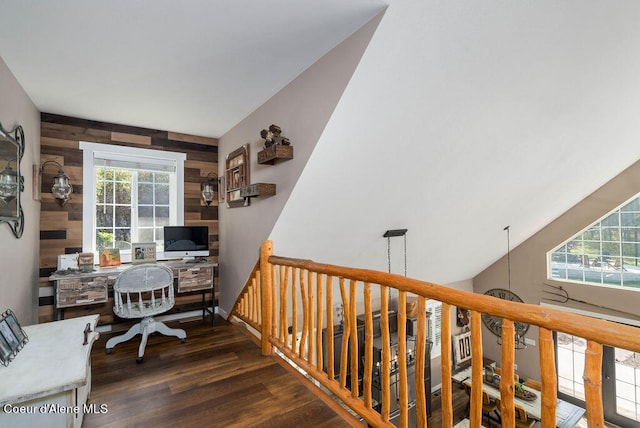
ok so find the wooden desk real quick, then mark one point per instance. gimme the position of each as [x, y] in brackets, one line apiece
[48, 382]
[567, 414]
[92, 288]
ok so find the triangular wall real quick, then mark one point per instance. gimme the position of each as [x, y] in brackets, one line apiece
[529, 273]
[302, 110]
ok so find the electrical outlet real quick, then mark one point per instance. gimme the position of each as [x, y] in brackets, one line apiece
[515, 367]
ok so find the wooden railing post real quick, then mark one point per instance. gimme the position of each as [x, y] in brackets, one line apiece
[402, 359]
[475, 399]
[421, 399]
[507, 387]
[445, 357]
[266, 279]
[593, 384]
[549, 380]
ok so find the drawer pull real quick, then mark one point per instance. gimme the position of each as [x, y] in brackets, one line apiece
[87, 330]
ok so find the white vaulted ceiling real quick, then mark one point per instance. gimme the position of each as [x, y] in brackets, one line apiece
[465, 117]
[196, 66]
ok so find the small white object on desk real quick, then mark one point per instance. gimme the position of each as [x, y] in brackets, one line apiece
[48, 382]
[463, 424]
[67, 261]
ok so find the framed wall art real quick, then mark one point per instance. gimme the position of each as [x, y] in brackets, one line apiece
[110, 257]
[12, 337]
[462, 349]
[143, 252]
[85, 262]
[236, 177]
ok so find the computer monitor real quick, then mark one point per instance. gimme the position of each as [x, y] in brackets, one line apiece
[187, 242]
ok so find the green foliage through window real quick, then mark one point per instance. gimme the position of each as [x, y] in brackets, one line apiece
[606, 253]
[131, 206]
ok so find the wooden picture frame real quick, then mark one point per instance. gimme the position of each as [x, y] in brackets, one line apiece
[462, 348]
[86, 262]
[143, 252]
[236, 177]
[12, 337]
[109, 257]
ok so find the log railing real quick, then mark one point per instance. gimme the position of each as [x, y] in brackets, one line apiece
[289, 301]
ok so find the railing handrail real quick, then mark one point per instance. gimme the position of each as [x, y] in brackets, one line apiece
[602, 331]
[264, 304]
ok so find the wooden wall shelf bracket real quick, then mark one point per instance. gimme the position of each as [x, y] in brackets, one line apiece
[272, 154]
[258, 189]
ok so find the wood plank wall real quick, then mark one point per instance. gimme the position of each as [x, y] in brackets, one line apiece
[61, 227]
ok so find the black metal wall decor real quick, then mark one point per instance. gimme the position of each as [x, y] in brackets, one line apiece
[12, 337]
[11, 180]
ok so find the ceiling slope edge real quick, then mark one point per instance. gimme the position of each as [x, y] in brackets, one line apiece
[302, 109]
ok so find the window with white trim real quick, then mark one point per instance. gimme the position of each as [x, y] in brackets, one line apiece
[129, 194]
[620, 378]
[605, 253]
[570, 364]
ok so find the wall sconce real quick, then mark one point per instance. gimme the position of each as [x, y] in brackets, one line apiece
[8, 183]
[208, 188]
[60, 188]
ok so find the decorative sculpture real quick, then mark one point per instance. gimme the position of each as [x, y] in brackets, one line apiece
[272, 137]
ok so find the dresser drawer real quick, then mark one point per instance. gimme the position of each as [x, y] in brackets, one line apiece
[81, 291]
[195, 278]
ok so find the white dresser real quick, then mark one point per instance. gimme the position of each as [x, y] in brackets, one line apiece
[48, 382]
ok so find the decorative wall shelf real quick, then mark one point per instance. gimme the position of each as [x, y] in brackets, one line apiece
[258, 189]
[237, 176]
[272, 154]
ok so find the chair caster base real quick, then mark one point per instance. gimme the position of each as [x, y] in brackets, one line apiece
[183, 340]
[108, 350]
[139, 360]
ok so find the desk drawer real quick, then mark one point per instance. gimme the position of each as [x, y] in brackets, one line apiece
[195, 278]
[81, 291]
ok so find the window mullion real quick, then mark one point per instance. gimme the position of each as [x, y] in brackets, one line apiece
[114, 183]
[620, 253]
[134, 207]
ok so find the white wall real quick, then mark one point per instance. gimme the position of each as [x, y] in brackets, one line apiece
[19, 257]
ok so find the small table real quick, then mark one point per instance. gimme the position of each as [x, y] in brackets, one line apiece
[567, 414]
[48, 382]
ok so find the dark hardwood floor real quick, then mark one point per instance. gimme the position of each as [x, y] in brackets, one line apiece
[216, 379]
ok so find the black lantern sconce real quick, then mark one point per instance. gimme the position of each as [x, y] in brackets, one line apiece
[60, 188]
[208, 188]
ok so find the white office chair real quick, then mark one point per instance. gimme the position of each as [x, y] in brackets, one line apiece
[142, 292]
